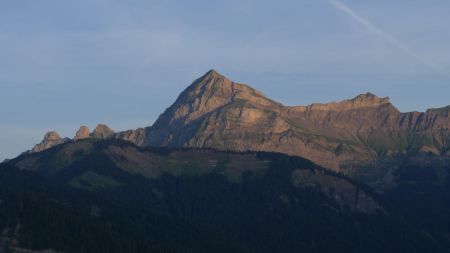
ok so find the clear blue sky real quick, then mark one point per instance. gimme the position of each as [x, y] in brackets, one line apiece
[66, 63]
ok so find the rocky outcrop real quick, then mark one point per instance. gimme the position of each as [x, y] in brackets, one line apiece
[51, 139]
[102, 132]
[216, 112]
[82, 133]
[137, 136]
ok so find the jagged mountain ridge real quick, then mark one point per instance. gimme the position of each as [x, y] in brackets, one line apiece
[216, 112]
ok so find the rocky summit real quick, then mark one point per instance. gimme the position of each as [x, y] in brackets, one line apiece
[82, 133]
[102, 132]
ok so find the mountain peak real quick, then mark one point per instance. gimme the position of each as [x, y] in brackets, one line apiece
[206, 94]
[102, 131]
[52, 136]
[213, 72]
[211, 77]
[82, 133]
[213, 83]
[370, 97]
[366, 95]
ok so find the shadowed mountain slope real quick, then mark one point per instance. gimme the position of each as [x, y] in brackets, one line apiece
[97, 195]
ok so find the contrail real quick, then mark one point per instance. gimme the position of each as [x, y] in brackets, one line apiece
[386, 36]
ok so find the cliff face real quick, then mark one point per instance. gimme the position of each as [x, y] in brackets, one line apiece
[201, 103]
[218, 113]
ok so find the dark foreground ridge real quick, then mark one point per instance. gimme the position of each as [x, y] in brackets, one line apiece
[111, 196]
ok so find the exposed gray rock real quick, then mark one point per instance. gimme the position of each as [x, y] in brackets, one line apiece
[137, 136]
[82, 133]
[102, 131]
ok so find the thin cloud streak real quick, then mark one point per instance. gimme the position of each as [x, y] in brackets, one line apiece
[386, 36]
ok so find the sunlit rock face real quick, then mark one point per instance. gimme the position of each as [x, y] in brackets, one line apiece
[102, 132]
[82, 133]
[216, 112]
